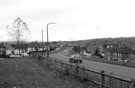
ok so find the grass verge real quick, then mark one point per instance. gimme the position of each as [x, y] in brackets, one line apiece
[27, 73]
[121, 63]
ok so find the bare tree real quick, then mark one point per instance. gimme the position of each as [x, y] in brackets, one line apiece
[18, 31]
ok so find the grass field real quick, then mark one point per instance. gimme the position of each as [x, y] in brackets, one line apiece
[27, 73]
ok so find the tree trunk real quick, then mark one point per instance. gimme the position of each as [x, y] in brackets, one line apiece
[19, 47]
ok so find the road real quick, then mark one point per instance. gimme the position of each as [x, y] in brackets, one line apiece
[116, 70]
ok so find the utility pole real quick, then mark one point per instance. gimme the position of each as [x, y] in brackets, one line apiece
[42, 43]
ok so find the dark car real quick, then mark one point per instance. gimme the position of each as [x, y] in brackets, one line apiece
[75, 58]
[4, 56]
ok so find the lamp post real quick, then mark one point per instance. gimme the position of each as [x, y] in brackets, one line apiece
[48, 39]
[42, 43]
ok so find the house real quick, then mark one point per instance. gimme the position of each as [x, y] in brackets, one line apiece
[92, 49]
[36, 47]
[6, 49]
[2, 48]
[120, 54]
[9, 49]
[31, 47]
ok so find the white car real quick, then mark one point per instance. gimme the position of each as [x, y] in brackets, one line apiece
[15, 55]
[25, 54]
[75, 58]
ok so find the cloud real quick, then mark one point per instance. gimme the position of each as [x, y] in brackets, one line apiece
[76, 19]
[42, 15]
[6, 3]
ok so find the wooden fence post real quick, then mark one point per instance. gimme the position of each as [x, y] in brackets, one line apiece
[67, 69]
[110, 80]
[46, 61]
[62, 67]
[76, 68]
[102, 79]
[70, 69]
[55, 64]
[133, 83]
[49, 61]
[83, 73]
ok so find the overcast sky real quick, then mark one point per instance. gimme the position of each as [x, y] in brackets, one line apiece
[75, 19]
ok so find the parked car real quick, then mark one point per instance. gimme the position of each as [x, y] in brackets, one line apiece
[16, 55]
[87, 54]
[4, 56]
[75, 58]
[25, 54]
[29, 53]
[99, 55]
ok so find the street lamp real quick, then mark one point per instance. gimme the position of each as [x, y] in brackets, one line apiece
[42, 43]
[48, 39]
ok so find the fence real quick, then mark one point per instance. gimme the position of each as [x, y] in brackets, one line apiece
[99, 78]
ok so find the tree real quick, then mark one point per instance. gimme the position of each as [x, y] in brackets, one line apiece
[18, 31]
[76, 48]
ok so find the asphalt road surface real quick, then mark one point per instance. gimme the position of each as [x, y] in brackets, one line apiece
[116, 70]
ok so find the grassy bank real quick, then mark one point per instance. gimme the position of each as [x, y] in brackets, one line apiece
[27, 73]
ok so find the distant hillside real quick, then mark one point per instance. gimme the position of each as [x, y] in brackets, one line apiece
[124, 41]
[121, 41]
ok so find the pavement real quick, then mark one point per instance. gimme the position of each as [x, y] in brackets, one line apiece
[118, 71]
